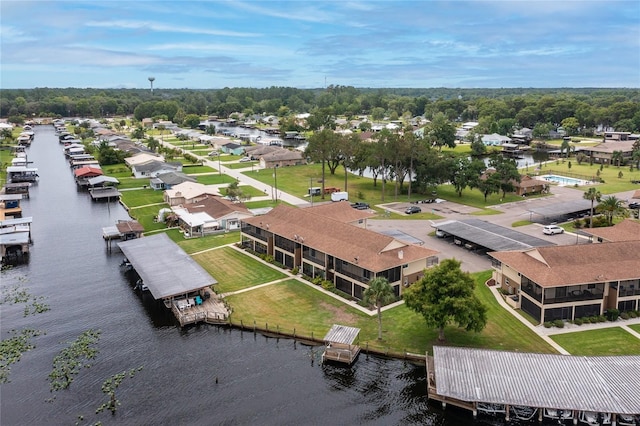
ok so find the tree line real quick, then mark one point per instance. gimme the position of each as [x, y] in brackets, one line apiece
[496, 110]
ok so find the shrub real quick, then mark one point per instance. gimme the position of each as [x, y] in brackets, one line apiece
[612, 314]
[578, 321]
[593, 319]
[601, 318]
[548, 324]
[295, 270]
[558, 323]
[327, 285]
[317, 280]
[624, 315]
[633, 314]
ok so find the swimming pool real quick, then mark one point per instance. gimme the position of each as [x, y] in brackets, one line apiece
[563, 180]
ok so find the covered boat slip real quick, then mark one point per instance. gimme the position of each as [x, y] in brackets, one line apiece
[339, 344]
[18, 188]
[173, 276]
[475, 233]
[104, 192]
[473, 378]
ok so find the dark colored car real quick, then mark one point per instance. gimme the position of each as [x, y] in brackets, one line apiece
[360, 206]
[634, 206]
[413, 209]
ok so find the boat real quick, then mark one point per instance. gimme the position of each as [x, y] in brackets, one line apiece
[140, 285]
[589, 418]
[523, 412]
[628, 420]
[558, 414]
[489, 408]
[125, 265]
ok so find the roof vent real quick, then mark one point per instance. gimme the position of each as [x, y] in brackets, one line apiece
[401, 254]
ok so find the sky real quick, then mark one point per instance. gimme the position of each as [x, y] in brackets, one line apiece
[313, 44]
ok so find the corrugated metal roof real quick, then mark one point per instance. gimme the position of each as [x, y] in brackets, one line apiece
[14, 238]
[560, 209]
[341, 334]
[489, 235]
[164, 267]
[600, 384]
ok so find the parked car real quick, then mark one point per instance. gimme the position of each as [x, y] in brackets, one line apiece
[634, 206]
[244, 159]
[552, 230]
[413, 209]
[213, 154]
[360, 206]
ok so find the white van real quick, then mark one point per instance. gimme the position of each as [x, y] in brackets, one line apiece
[340, 196]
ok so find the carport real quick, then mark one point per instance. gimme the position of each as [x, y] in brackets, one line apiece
[560, 210]
[475, 234]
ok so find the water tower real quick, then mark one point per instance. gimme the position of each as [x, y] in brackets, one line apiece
[151, 79]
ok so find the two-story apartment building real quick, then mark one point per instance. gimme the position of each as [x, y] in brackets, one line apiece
[331, 241]
[568, 282]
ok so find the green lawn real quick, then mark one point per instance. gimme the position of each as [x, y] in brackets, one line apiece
[195, 245]
[635, 327]
[190, 170]
[146, 216]
[235, 270]
[131, 182]
[521, 223]
[293, 304]
[141, 197]
[607, 341]
[117, 170]
[241, 165]
[214, 179]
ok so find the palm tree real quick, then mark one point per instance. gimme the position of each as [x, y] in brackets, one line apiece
[379, 293]
[611, 206]
[592, 195]
[616, 158]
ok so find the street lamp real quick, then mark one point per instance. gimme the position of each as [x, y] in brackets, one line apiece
[275, 180]
[311, 190]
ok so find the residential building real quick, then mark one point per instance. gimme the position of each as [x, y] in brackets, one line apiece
[569, 282]
[154, 168]
[603, 152]
[530, 186]
[324, 243]
[495, 139]
[169, 180]
[627, 230]
[142, 157]
[187, 193]
[210, 214]
[281, 158]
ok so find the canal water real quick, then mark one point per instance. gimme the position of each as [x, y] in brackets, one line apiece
[200, 375]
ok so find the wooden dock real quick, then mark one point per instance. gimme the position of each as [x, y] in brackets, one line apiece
[339, 344]
[211, 311]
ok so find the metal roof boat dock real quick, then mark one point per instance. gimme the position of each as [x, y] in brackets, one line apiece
[21, 174]
[123, 230]
[474, 379]
[100, 193]
[173, 276]
[17, 188]
[14, 245]
[339, 344]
